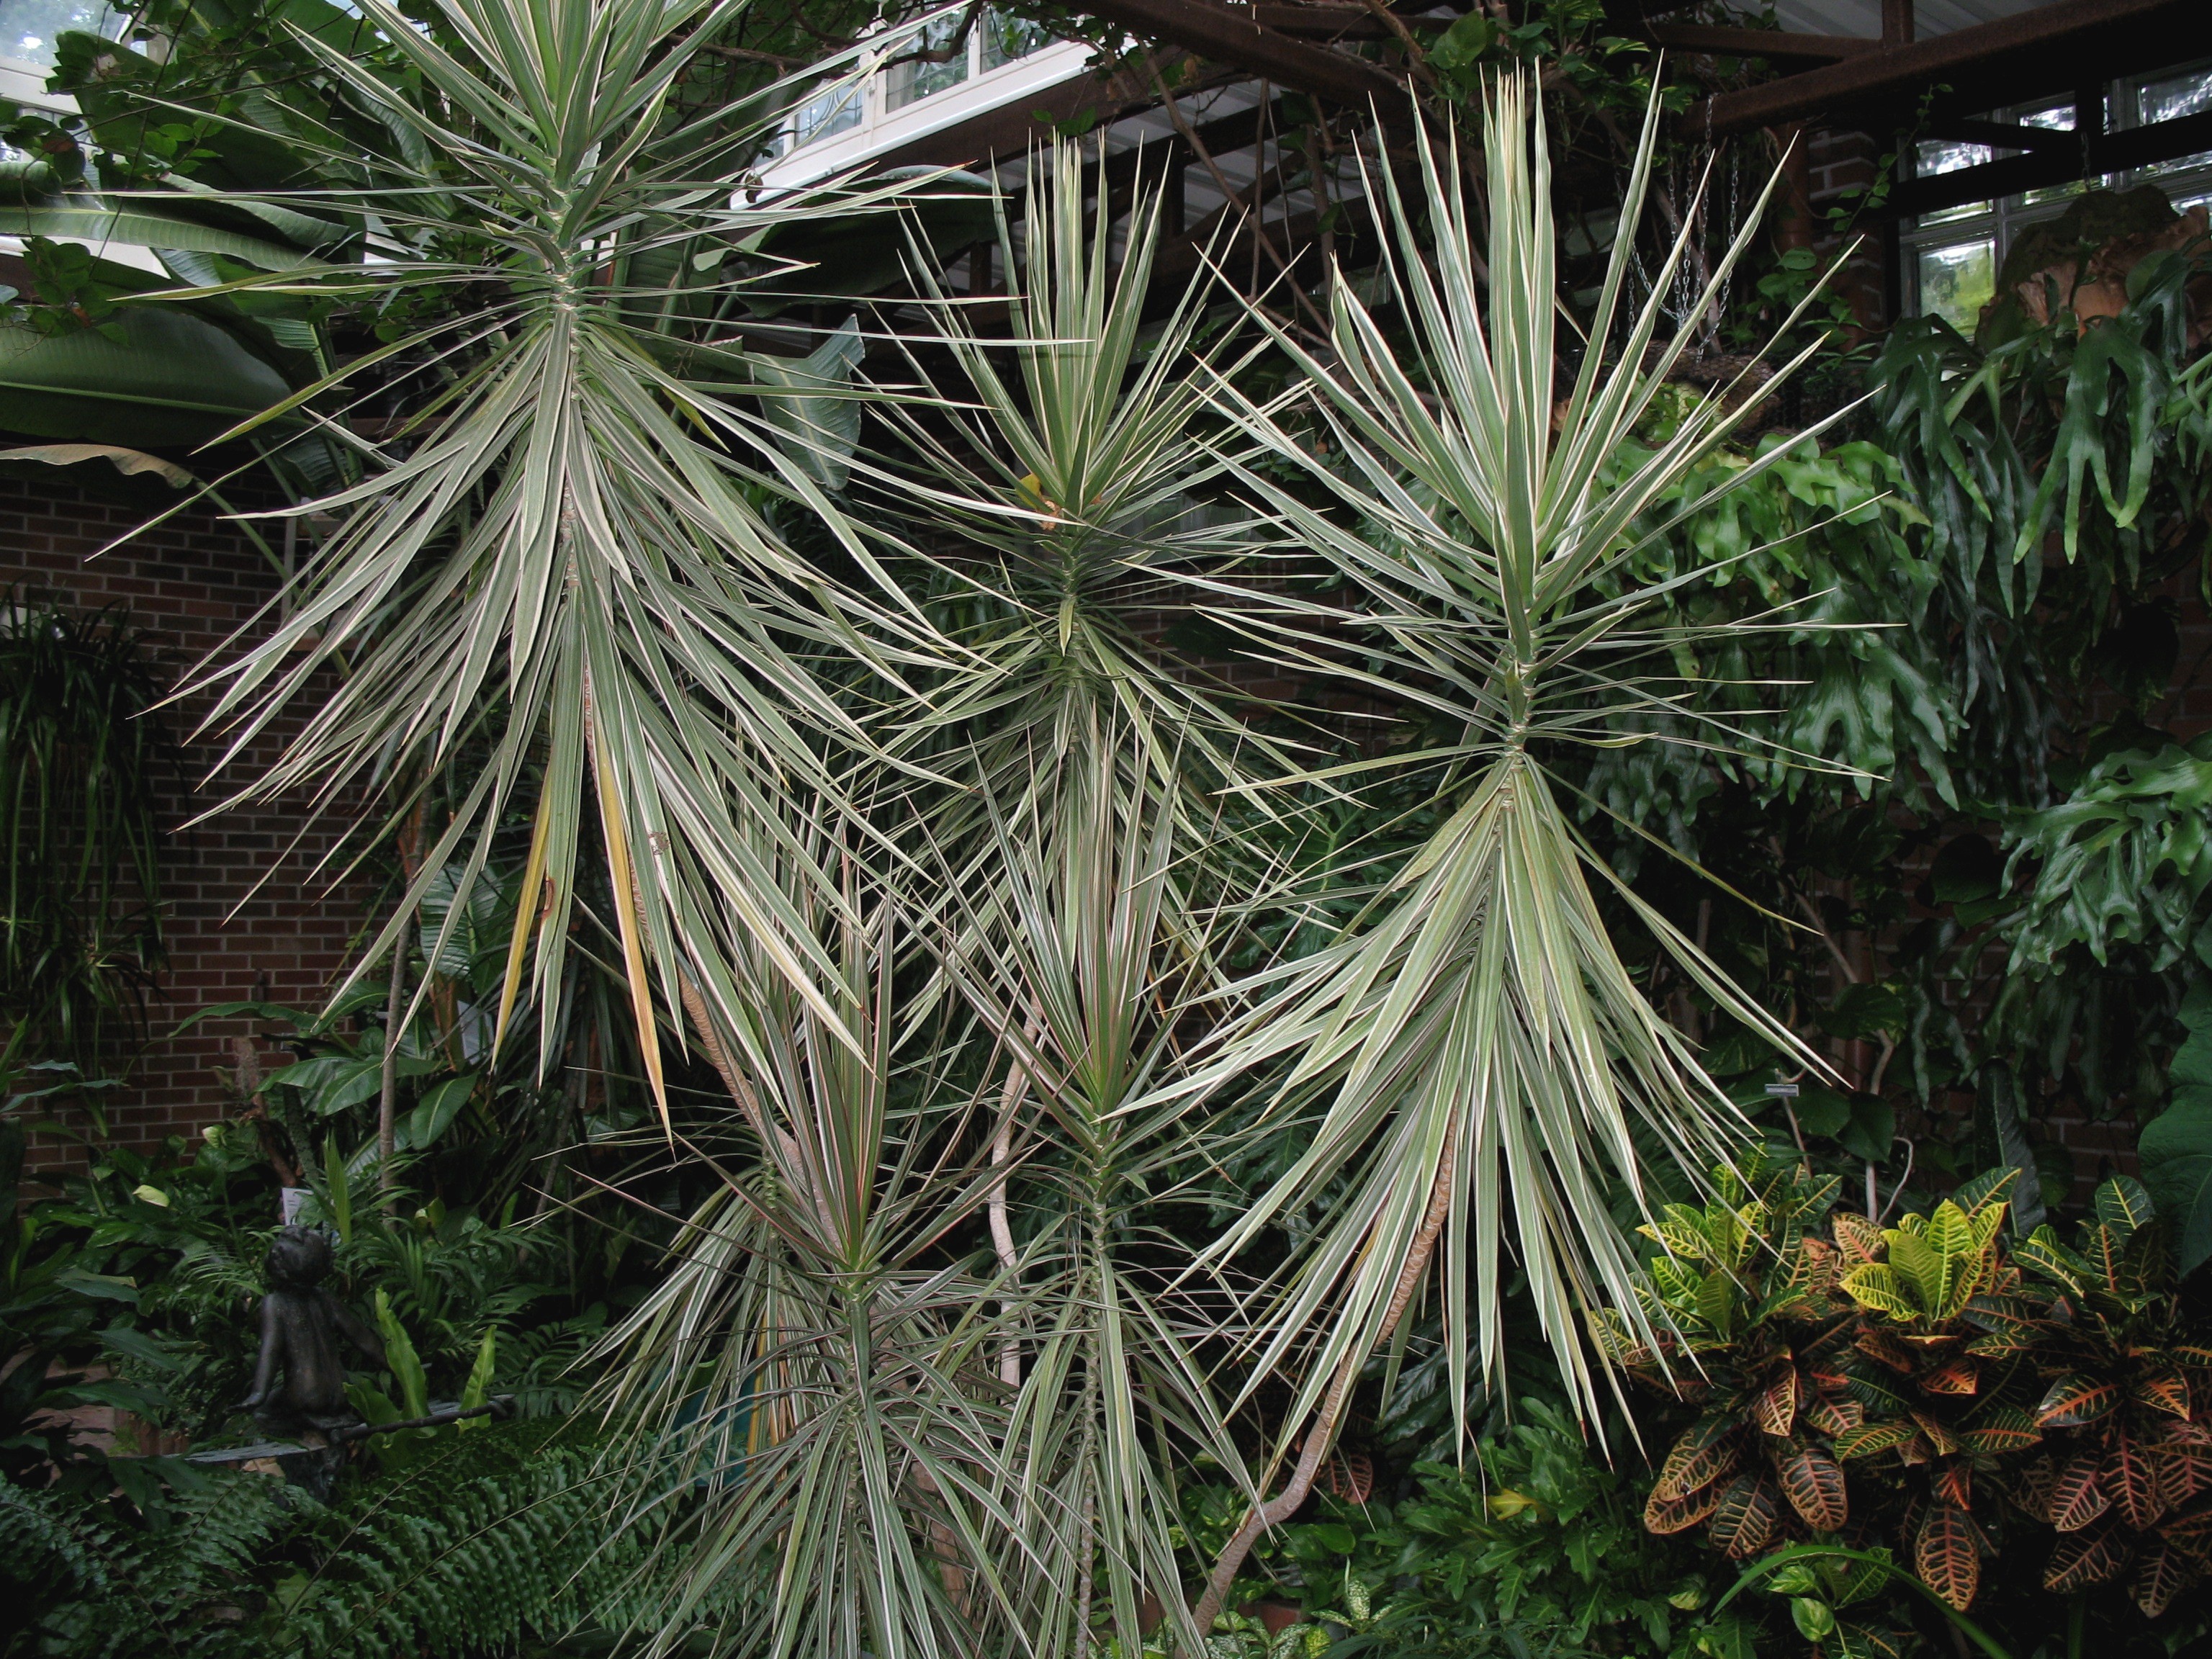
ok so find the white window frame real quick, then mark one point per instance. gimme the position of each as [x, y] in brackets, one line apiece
[882, 129]
[2186, 180]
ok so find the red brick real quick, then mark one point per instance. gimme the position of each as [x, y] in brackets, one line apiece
[190, 584]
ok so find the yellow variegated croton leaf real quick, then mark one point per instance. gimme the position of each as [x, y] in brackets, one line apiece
[1933, 1265]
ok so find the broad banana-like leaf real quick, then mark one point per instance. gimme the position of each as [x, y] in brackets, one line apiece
[105, 221]
[172, 380]
[129, 462]
[818, 412]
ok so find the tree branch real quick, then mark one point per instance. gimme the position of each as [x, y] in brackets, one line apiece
[1322, 1434]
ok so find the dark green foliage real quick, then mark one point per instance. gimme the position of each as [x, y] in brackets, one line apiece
[79, 886]
[1997, 902]
[151, 1269]
[74, 1292]
[91, 1579]
[1536, 1549]
[501, 1538]
[497, 1536]
[2176, 1146]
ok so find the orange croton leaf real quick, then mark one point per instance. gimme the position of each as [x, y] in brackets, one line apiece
[2164, 1391]
[1813, 1482]
[2086, 1558]
[1775, 1406]
[2032, 1486]
[2004, 1428]
[2080, 1497]
[1745, 1518]
[1858, 1238]
[1664, 1516]
[1947, 1556]
[1954, 1484]
[1833, 1416]
[2075, 1400]
[2167, 1568]
[2132, 1478]
[2182, 1473]
[1704, 1454]
[1960, 1377]
[1869, 1439]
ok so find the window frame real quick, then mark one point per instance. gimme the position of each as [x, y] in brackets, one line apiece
[877, 87]
[2186, 180]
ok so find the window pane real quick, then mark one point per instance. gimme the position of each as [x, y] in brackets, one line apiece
[2185, 95]
[1941, 155]
[28, 28]
[912, 80]
[1945, 215]
[827, 114]
[1007, 38]
[1956, 281]
[2054, 118]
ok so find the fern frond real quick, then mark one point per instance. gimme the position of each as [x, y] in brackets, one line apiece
[98, 1586]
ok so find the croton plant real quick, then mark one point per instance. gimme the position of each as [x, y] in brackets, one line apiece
[1935, 1384]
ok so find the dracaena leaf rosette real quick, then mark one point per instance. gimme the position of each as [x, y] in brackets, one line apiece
[1053, 486]
[553, 582]
[809, 1390]
[1106, 1354]
[1481, 1062]
[1074, 826]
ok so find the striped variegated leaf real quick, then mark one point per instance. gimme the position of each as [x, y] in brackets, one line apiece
[1947, 1555]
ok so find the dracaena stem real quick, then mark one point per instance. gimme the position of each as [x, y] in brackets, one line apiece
[1319, 1438]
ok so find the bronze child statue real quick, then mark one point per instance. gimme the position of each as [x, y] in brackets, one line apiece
[300, 1325]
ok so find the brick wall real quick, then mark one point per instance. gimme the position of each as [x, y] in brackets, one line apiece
[1838, 165]
[188, 584]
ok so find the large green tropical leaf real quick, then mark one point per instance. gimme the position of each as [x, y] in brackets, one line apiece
[2175, 1146]
[173, 379]
[101, 224]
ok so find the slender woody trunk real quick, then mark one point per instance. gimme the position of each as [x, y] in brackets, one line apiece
[387, 1099]
[395, 1006]
[1319, 1438]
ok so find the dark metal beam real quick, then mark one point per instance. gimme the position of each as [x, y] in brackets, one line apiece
[1633, 16]
[2095, 154]
[1989, 64]
[1342, 19]
[1232, 35]
[2004, 135]
[1779, 45]
[1330, 21]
